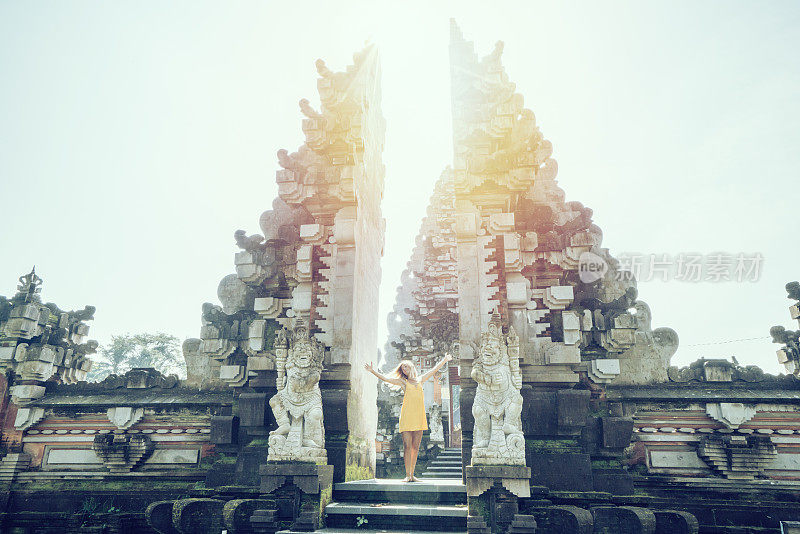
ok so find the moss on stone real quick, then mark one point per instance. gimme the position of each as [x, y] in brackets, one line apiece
[478, 506]
[606, 464]
[552, 445]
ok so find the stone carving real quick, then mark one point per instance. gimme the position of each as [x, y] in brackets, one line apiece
[737, 457]
[27, 417]
[789, 354]
[124, 417]
[730, 414]
[435, 423]
[497, 408]
[298, 404]
[121, 452]
[40, 342]
[718, 370]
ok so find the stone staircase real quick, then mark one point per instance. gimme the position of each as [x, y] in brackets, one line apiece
[11, 465]
[446, 465]
[394, 507]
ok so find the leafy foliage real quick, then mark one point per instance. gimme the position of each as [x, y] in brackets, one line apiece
[160, 351]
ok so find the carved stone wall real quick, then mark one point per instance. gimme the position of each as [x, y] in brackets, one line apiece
[40, 342]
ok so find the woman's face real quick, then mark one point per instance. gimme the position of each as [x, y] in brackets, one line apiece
[409, 369]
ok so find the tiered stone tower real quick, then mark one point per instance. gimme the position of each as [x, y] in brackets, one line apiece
[315, 273]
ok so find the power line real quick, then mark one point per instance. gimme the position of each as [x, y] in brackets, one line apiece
[728, 341]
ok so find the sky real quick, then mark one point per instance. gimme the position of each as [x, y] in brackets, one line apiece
[138, 136]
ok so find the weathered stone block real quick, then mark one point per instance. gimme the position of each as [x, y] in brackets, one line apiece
[248, 461]
[476, 525]
[591, 435]
[221, 473]
[617, 432]
[573, 408]
[568, 520]
[252, 409]
[513, 478]
[539, 416]
[198, 516]
[224, 429]
[561, 471]
[522, 524]
[623, 520]
[264, 521]
[678, 522]
[237, 513]
[614, 481]
[159, 516]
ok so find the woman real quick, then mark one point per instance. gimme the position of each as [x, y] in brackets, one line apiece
[412, 414]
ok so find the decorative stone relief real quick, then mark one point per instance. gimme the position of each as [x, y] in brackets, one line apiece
[730, 414]
[605, 370]
[435, 424]
[737, 457]
[789, 353]
[121, 452]
[124, 417]
[27, 417]
[497, 407]
[40, 342]
[298, 404]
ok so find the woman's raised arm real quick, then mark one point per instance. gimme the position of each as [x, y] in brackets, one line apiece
[394, 381]
[438, 366]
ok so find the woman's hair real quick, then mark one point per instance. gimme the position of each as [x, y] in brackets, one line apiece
[399, 372]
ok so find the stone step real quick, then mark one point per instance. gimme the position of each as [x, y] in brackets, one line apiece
[436, 491]
[444, 468]
[446, 461]
[359, 531]
[407, 517]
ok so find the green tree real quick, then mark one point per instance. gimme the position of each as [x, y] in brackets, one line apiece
[160, 351]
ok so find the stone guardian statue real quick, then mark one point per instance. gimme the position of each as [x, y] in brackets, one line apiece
[298, 404]
[497, 409]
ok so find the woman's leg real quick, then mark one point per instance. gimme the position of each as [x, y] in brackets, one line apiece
[408, 453]
[416, 439]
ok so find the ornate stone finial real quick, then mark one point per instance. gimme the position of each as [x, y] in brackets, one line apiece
[789, 354]
[30, 286]
[455, 31]
[497, 408]
[248, 243]
[297, 406]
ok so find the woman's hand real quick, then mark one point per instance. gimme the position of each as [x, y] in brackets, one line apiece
[447, 358]
[368, 367]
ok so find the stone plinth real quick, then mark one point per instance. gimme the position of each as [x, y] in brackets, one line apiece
[514, 478]
[493, 493]
[300, 490]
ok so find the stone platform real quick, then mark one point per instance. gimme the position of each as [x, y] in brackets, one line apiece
[391, 505]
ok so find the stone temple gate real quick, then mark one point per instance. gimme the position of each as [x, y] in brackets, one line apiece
[569, 416]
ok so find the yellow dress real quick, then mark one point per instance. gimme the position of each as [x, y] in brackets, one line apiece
[412, 413]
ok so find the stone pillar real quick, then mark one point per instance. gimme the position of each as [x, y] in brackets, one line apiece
[300, 492]
[493, 492]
